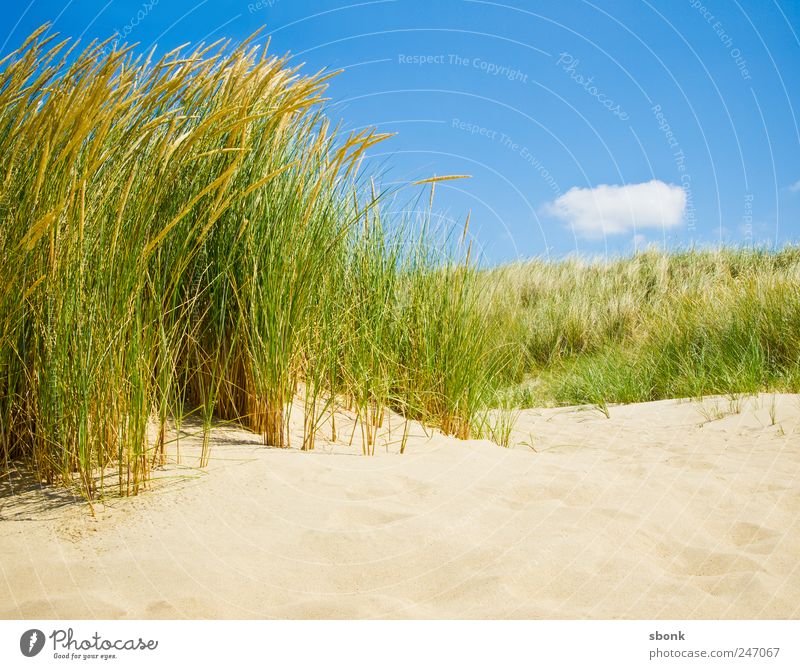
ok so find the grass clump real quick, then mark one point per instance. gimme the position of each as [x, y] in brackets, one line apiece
[189, 234]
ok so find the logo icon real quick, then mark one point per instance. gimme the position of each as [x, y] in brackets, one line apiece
[31, 642]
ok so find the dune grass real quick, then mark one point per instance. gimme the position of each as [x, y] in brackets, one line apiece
[655, 325]
[190, 235]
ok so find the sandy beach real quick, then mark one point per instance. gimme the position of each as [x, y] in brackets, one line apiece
[663, 510]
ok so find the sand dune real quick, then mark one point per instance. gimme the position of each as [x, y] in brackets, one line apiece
[663, 510]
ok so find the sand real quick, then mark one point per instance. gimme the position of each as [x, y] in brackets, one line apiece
[663, 510]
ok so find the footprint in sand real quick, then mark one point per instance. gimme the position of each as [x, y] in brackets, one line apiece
[692, 561]
[753, 538]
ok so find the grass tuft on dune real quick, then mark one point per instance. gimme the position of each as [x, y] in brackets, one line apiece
[190, 235]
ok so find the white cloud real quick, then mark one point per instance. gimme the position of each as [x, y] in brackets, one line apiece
[615, 210]
[795, 187]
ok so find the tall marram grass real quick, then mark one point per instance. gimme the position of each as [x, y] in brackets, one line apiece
[655, 325]
[188, 234]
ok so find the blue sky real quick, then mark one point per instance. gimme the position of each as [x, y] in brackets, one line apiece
[590, 127]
